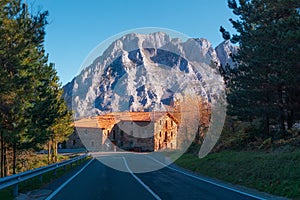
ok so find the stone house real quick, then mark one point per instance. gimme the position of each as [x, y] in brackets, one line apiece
[134, 131]
[145, 131]
[87, 135]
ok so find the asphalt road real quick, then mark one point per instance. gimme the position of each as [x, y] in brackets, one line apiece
[98, 181]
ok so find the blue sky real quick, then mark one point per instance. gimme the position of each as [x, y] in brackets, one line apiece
[77, 27]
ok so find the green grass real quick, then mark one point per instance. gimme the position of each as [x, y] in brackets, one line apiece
[36, 183]
[34, 161]
[274, 173]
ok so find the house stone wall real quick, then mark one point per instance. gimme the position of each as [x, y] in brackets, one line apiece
[165, 135]
[135, 136]
[74, 142]
[89, 138]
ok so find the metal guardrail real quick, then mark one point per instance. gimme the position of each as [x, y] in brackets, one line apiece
[15, 179]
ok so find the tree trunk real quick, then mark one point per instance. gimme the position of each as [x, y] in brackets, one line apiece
[14, 157]
[268, 118]
[2, 155]
[268, 126]
[54, 151]
[49, 152]
[281, 109]
[5, 161]
[290, 119]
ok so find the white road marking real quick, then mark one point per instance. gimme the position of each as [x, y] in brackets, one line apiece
[207, 181]
[68, 181]
[140, 181]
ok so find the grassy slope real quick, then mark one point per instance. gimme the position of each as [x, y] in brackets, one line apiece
[275, 173]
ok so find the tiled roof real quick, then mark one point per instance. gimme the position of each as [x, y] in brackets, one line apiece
[140, 116]
[91, 122]
[108, 120]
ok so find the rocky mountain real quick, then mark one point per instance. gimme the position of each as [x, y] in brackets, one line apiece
[145, 72]
[224, 51]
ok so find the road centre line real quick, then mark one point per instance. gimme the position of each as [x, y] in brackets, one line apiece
[140, 181]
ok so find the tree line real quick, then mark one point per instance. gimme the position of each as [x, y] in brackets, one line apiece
[263, 89]
[32, 110]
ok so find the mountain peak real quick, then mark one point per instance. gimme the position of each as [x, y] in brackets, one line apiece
[224, 51]
[145, 72]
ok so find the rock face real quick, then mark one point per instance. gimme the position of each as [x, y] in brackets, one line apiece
[145, 72]
[224, 50]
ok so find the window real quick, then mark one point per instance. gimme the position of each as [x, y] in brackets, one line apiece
[171, 134]
[160, 134]
[166, 136]
[114, 135]
[74, 142]
[160, 122]
[166, 124]
[171, 123]
[122, 134]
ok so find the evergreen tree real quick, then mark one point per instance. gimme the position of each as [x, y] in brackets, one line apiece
[265, 85]
[31, 106]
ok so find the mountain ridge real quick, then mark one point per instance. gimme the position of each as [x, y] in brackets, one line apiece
[150, 63]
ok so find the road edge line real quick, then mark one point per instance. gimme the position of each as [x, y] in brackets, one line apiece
[140, 181]
[208, 181]
[68, 181]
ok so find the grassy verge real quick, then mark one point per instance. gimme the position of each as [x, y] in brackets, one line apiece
[38, 182]
[275, 173]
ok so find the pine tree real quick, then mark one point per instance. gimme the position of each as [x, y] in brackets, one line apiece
[21, 36]
[31, 107]
[263, 87]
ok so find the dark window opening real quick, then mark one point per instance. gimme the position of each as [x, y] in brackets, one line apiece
[74, 142]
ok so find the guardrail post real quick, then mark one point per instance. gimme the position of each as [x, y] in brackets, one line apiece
[16, 188]
[55, 170]
[41, 178]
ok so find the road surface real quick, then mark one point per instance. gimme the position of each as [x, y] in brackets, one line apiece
[98, 181]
